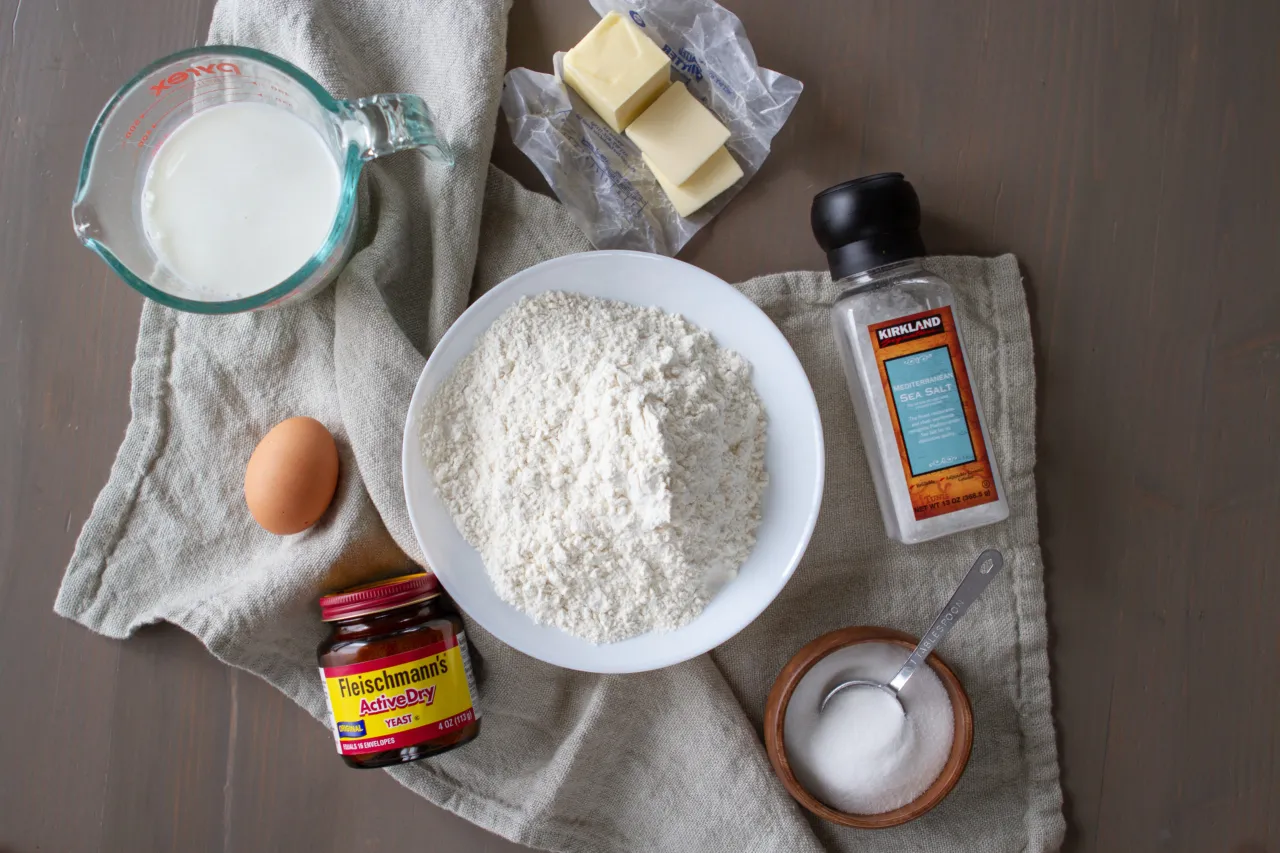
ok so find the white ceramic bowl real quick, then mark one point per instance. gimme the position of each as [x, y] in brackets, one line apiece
[793, 458]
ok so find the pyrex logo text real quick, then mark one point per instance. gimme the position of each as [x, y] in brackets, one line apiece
[178, 77]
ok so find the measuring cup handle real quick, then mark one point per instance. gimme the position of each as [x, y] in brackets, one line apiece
[385, 124]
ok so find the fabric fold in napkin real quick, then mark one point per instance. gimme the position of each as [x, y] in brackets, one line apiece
[567, 761]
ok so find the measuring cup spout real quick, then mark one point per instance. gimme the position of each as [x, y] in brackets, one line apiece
[84, 218]
[385, 124]
[94, 218]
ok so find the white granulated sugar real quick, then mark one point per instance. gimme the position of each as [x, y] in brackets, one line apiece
[861, 754]
[606, 460]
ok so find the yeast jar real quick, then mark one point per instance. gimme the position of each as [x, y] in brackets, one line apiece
[397, 672]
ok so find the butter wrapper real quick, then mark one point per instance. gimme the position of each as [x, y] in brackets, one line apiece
[598, 174]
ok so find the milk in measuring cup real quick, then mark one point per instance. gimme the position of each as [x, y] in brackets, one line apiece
[238, 198]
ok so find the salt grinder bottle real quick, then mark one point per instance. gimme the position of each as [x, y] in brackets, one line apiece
[913, 393]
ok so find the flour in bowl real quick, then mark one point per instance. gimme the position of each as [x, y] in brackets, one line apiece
[606, 460]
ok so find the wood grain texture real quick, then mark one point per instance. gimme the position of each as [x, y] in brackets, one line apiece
[1126, 152]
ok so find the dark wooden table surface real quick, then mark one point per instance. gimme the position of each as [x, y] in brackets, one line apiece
[1128, 153]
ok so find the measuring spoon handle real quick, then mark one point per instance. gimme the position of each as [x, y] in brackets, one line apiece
[986, 567]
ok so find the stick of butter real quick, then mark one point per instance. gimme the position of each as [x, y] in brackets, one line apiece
[719, 173]
[678, 133]
[617, 70]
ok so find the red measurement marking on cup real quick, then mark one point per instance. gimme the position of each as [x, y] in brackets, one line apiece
[142, 141]
[192, 82]
[143, 115]
[207, 94]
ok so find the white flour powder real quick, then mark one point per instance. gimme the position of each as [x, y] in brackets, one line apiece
[606, 460]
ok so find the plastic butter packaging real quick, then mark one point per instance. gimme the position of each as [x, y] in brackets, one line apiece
[638, 163]
[626, 79]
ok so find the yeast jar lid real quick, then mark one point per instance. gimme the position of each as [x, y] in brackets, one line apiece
[378, 596]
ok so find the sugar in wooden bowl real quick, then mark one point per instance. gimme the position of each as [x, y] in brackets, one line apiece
[865, 760]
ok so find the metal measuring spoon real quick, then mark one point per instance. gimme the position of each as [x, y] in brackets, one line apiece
[974, 584]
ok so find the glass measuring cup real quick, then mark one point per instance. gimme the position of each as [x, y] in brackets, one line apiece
[107, 209]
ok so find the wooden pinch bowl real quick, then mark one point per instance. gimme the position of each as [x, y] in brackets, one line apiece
[776, 711]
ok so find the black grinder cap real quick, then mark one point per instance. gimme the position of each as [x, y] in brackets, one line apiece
[867, 223]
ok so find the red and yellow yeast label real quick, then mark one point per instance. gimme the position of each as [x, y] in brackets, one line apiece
[402, 700]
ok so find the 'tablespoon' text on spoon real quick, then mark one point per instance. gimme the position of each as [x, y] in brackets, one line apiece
[988, 565]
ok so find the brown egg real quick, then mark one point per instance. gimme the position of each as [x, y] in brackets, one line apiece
[291, 476]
